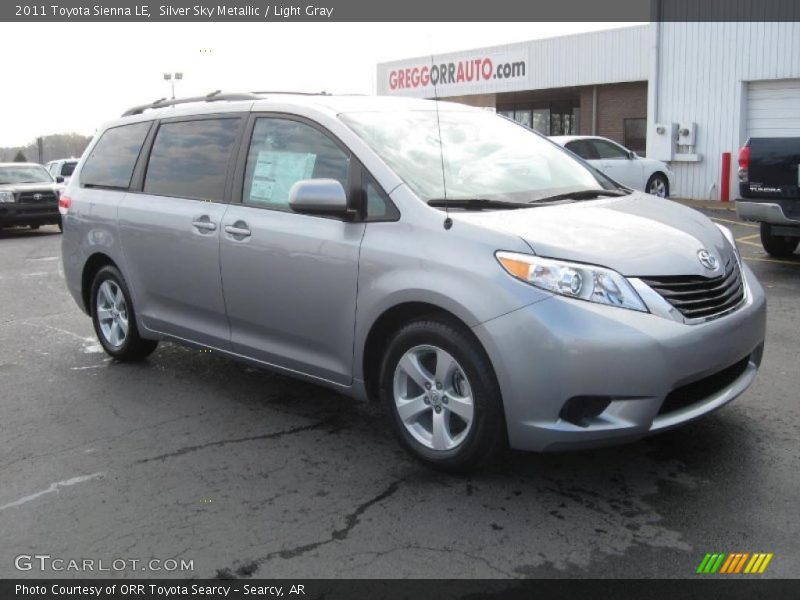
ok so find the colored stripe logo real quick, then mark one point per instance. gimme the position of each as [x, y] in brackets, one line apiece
[734, 563]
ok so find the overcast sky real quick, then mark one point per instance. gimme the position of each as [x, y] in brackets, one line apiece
[70, 77]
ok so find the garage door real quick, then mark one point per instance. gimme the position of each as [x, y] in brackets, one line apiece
[773, 108]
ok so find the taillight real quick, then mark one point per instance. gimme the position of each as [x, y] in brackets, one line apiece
[744, 164]
[64, 203]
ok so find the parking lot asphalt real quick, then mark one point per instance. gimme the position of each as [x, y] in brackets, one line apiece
[251, 474]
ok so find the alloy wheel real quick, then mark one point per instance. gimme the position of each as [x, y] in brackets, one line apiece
[433, 397]
[112, 313]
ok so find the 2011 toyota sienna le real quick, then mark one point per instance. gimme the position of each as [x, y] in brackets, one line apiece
[490, 287]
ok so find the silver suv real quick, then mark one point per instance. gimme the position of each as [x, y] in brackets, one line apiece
[488, 286]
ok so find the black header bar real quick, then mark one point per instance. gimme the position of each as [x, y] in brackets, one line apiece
[407, 10]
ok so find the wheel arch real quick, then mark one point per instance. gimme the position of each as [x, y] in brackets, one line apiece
[390, 321]
[94, 263]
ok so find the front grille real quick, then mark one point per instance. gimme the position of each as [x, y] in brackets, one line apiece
[698, 297]
[35, 197]
[698, 391]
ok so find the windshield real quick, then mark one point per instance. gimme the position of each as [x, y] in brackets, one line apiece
[68, 168]
[483, 155]
[24, 174]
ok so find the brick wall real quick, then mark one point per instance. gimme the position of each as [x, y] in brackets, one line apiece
[617, 102]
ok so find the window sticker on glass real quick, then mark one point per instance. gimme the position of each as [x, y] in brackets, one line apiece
[276, 172]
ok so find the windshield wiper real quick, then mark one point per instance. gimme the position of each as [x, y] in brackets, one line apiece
[473, 203]
[580, 195]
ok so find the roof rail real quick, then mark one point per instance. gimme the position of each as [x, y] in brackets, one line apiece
[212, 97]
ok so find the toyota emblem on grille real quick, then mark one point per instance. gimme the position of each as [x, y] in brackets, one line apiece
[37, 196]
[708, 260]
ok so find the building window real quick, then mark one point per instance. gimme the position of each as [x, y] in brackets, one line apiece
[635, 132]
[560, 120]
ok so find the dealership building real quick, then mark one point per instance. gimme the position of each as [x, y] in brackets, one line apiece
[684, 93]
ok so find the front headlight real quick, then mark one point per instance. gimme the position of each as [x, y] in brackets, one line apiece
[6, 197]
[574, 280]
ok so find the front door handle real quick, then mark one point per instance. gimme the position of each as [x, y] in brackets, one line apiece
[238, 229]
[204, 225]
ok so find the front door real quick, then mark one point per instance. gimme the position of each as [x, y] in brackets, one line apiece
[616, 162]
[290, 280]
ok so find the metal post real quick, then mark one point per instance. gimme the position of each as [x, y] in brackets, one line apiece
[725, 177]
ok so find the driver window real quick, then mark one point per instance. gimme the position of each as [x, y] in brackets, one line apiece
[283, 152]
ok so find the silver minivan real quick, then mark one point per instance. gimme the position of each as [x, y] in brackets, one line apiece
[488, 286]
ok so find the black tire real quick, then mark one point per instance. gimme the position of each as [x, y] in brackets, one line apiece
[779, 246]
[655, 180]
[61, 226]
[133, 347]
[487, 434]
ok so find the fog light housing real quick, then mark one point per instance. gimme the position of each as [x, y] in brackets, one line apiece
[579, 409]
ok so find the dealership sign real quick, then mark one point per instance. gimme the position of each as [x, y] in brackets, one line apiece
[473, 73]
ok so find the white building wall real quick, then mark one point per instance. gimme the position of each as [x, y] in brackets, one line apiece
[700, 75]
[611, 56]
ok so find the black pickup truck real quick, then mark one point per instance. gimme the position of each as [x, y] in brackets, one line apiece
[28, 196]
[769, 184]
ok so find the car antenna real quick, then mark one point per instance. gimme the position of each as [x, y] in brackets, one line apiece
[448, 222]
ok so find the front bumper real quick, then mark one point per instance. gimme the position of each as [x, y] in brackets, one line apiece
[558, 349]
[778, 212]
[14, 214]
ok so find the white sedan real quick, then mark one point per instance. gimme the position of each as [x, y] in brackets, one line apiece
[619, 163]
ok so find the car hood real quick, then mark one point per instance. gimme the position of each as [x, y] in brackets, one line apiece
[636, 235]
[28, 187]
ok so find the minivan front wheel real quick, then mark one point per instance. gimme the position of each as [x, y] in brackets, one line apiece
[441, 391]
[114, 319]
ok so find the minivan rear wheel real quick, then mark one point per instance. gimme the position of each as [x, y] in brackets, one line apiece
[442, 394]
[779, 246]
[114, 318]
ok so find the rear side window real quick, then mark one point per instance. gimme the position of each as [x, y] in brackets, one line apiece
[283, 152]
[113, 157]
[583, 149]
[190, 159]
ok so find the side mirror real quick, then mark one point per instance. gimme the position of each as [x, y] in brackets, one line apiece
[632, 155]
[324, 197]
[59, 179]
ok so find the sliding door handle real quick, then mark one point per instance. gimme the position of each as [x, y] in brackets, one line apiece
[238, 229]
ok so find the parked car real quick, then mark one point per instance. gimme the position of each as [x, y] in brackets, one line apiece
[482, 282]
[769, 183]
[62, 168]
[28, 196]
[619, 163]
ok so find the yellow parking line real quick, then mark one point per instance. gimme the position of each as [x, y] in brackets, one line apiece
[756, 244]
[748, 237]
[794, 263]
[735, 222]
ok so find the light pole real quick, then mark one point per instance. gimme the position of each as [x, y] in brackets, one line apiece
[172, 78]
